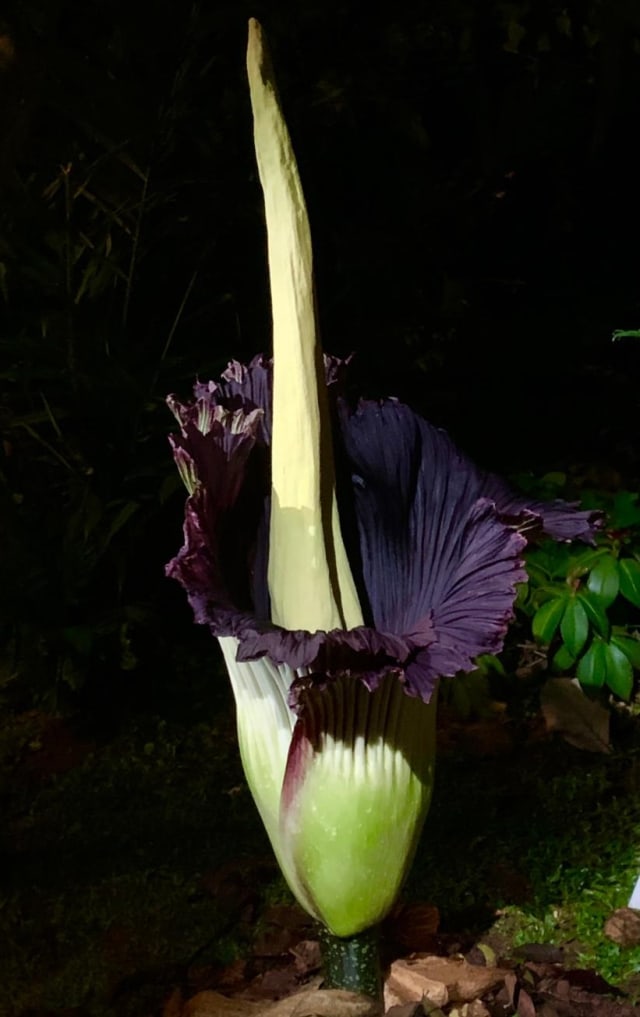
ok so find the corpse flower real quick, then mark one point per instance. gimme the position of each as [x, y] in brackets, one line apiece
[346, 558]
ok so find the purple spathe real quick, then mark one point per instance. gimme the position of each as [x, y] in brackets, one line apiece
[435, 544]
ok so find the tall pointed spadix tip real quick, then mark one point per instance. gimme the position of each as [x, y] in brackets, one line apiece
[310, 582]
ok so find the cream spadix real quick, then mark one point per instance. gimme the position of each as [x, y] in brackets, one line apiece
[310, 581]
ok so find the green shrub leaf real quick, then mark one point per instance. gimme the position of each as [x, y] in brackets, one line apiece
[595, 612]
[547, 618]
[563, 660]
[583, 561]
[604, 580]
[592, 668]
[536, 574]
[574, 626]
[619, 671]
[630, 647]
[630, 580]
[553, 558]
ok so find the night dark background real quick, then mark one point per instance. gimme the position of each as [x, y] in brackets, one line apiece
[471, 178]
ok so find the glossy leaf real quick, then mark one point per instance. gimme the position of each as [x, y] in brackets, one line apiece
[630, 580]
[537, 574]
[580, 564]
[604, 580]
[619, 671]
[547, 618]
[630, 647]
[488, 662]
[552, 558]
[595, 612]
[563, 660]
[592, 668]
[574, 626]
[553, 590]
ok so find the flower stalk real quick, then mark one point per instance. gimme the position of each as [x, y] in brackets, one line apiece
[352, 963]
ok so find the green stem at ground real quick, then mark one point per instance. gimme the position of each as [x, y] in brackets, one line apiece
[352, 963]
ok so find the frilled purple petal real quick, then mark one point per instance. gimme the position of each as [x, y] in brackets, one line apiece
[558, 519]
[438, 563]
[241, 388]
[435, 543]
[196, 566]
[226, 478]
[212, 451]
[247, 388]
[363, 653]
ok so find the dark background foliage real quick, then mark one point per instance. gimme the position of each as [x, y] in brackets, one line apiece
[471, 180]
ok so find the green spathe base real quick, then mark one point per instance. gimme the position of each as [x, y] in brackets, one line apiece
[352, 822]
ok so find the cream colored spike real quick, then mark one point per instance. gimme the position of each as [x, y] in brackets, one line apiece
[310, 580]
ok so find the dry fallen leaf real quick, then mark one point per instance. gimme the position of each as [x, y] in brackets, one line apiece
[282, 926]
[581, 721]
[547, 1010]
[510, 986]
[440, 980]
[306, 956]
[525, 1004]
[214, 1004]
[404, 986]
[623, 927]
[475, 1008]
[406, 1010]
[308, 1003]
[324, 1003]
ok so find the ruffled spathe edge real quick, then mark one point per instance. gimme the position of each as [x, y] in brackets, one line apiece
[435, 545]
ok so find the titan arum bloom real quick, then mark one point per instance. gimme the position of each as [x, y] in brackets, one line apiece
[346, 558]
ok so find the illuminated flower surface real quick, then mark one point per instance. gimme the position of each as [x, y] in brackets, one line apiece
[346, 557]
